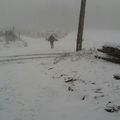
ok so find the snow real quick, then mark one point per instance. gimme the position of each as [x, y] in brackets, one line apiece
[92, 39]
[35, 89]
[95, 39]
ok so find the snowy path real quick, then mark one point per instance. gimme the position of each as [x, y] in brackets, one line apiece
[31, 56]
[27, 91]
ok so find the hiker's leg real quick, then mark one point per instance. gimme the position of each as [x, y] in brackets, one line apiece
[52, 45]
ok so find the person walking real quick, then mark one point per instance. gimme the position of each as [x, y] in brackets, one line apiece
[51, 39]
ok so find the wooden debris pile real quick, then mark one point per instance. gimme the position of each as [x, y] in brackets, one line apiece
[112, 54]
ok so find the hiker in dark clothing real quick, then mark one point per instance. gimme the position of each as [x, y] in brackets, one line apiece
[52, 39]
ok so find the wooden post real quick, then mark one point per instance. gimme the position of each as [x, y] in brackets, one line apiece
[81, 26]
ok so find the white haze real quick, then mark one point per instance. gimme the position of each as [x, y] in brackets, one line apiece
[62, 15]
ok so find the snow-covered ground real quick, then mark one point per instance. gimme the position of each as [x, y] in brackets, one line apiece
[92, 39]
[35, 89]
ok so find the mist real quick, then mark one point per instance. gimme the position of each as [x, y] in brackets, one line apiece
[58, 15]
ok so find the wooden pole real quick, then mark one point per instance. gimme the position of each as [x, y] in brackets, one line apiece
[81, 26]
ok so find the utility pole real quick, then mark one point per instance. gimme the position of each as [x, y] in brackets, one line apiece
[81, 26]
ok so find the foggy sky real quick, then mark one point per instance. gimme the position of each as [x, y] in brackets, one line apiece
[44, 15]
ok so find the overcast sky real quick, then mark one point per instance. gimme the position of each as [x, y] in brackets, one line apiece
[44, 15]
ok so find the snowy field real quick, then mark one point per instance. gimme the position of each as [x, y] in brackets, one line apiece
[92, 39]
[37, 89]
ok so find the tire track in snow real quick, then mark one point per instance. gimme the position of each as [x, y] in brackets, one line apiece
[31, 56]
